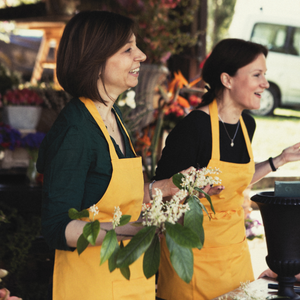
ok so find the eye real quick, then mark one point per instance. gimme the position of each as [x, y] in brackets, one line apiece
[128, 50]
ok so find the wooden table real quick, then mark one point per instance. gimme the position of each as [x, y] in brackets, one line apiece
[258, 289]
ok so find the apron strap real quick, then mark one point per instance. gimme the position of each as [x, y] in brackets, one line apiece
[91, 107]
[215, 132]
[124, 128]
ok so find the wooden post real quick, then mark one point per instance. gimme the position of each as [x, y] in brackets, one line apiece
[52, 34]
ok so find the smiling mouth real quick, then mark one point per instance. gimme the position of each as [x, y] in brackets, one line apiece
[135, 71]
[258, 94]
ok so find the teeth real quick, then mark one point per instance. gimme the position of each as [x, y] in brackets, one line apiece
[135, 70]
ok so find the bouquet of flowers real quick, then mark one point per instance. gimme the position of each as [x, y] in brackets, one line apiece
[159, 219]
[22, 97]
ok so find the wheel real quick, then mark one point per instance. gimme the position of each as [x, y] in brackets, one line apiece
[269, 101]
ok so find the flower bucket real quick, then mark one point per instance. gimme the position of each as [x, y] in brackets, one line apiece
[23, 117]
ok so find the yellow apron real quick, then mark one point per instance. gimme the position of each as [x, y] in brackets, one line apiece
[82, 277]
[224, 261]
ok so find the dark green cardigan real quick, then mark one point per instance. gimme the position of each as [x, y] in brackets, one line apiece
[75, 161]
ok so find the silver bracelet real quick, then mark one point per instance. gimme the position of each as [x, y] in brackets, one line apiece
[150, 190]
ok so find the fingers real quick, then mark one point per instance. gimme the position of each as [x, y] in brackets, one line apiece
[268, 273]
[215, 190]
[206, 189]
[188, 170]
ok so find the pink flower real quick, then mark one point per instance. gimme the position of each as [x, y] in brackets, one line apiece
[22, 97]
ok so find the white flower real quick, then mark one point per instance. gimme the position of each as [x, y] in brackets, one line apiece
[157, 212]
[116, 217]
[121, 102]
[94, 210]
[130, 99]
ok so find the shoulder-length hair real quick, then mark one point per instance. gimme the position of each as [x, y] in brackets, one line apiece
[228, 56]
[88, 40]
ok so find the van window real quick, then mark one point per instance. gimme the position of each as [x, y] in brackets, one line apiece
[295, 42]
[273, 36]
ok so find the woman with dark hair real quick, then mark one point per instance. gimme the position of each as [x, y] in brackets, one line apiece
[87, 158]
[218, 134]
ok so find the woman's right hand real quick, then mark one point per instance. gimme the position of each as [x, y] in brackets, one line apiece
[271, 274]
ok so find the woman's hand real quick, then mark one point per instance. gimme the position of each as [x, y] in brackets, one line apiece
[268, 273]
[289, 154]
[167, 187]
[271, 274]
[212, 190]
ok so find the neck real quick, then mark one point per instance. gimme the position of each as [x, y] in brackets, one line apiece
[104, 110]
[228, 111]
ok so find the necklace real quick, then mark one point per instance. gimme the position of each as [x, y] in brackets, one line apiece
[232, 139]
[111, 126]
[106, 123]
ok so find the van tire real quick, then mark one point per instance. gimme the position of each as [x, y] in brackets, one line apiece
[269, 101]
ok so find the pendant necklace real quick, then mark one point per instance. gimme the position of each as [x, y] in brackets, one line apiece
[112, 127]
[107, 124]
[232, 139]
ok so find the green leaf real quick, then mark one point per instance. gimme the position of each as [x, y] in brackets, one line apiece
[193, 218]
[136, 247]
[125, 272]
[124, 220]
[177, 180]
[182, 259]
[74, 214]
[91, 231]
[152, 258]
[207, 197]
[203, 208]
[183, 236]
[112, 261]
[108, 246]
[82, 244]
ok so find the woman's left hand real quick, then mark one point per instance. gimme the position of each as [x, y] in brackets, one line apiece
[290, 154]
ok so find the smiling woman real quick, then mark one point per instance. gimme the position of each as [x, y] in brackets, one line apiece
[88, 160]
[121, 70]
[221, 138]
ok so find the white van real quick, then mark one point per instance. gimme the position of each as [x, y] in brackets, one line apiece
[279, 31]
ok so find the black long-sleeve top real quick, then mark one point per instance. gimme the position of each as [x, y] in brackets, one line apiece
[190, 144]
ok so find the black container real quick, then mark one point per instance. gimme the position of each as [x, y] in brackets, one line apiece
[281, 219]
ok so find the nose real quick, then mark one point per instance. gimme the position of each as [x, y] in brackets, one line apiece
[141, 56]
[265, 83]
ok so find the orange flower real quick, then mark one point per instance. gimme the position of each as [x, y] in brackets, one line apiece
[178, 82]
[183, 102]
[144, 142]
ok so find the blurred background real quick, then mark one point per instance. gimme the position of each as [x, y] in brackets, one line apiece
[177, 36]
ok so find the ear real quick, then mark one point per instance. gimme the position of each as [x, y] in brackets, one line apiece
[226, 80]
